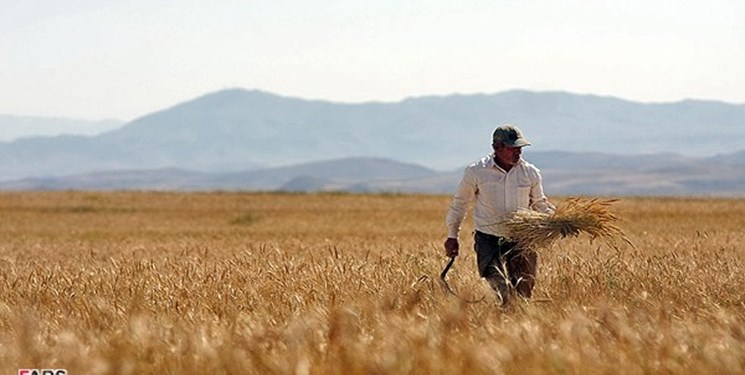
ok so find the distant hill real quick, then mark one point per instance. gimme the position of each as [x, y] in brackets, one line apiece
[14, 127]
[643, 175]
[737, 158]
[322, 175]
[312, 176]
[240, 130]
[564, 174]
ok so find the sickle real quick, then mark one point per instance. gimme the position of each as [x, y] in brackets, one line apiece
[446, 286]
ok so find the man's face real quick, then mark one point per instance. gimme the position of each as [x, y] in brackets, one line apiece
[507, 155]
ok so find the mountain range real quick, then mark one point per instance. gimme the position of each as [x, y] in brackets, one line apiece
[252, 140]
[588, 174]
[13, 127]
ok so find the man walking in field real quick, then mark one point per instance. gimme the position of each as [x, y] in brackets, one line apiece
[499, 185]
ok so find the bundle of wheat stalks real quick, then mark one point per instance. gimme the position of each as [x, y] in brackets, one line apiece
[535, 230]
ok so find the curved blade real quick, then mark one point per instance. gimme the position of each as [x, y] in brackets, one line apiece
[447, 268]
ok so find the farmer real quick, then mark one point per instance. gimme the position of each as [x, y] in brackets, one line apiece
[499, 185]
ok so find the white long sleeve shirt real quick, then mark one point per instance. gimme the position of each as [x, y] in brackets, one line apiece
[496, 195]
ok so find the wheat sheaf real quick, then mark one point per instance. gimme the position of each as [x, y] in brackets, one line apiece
[594, 217]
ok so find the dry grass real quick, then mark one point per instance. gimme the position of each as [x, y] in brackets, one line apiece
[594, 217]
[139, 283]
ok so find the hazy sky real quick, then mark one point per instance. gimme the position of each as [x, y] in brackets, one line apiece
[94, 59]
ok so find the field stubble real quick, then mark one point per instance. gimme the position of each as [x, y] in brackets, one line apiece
[148, 282]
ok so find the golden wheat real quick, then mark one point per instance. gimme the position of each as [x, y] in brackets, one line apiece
[231, 283]
[536, 230]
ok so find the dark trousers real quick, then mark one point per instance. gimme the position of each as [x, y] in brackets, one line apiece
[505, 265]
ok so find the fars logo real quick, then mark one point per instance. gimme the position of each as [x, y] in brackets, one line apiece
[36, 371]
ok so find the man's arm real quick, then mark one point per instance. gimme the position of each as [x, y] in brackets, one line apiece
[538, 200]
[465, 192]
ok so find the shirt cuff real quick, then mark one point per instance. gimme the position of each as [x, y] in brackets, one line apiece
[453, 231]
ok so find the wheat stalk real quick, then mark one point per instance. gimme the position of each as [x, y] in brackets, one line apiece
[536, 230]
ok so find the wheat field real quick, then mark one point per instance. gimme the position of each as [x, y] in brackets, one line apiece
[239, 283]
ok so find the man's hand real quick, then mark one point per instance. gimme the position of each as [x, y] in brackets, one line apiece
[451, 247]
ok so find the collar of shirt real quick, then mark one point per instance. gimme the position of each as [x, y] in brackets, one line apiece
[491, 163]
